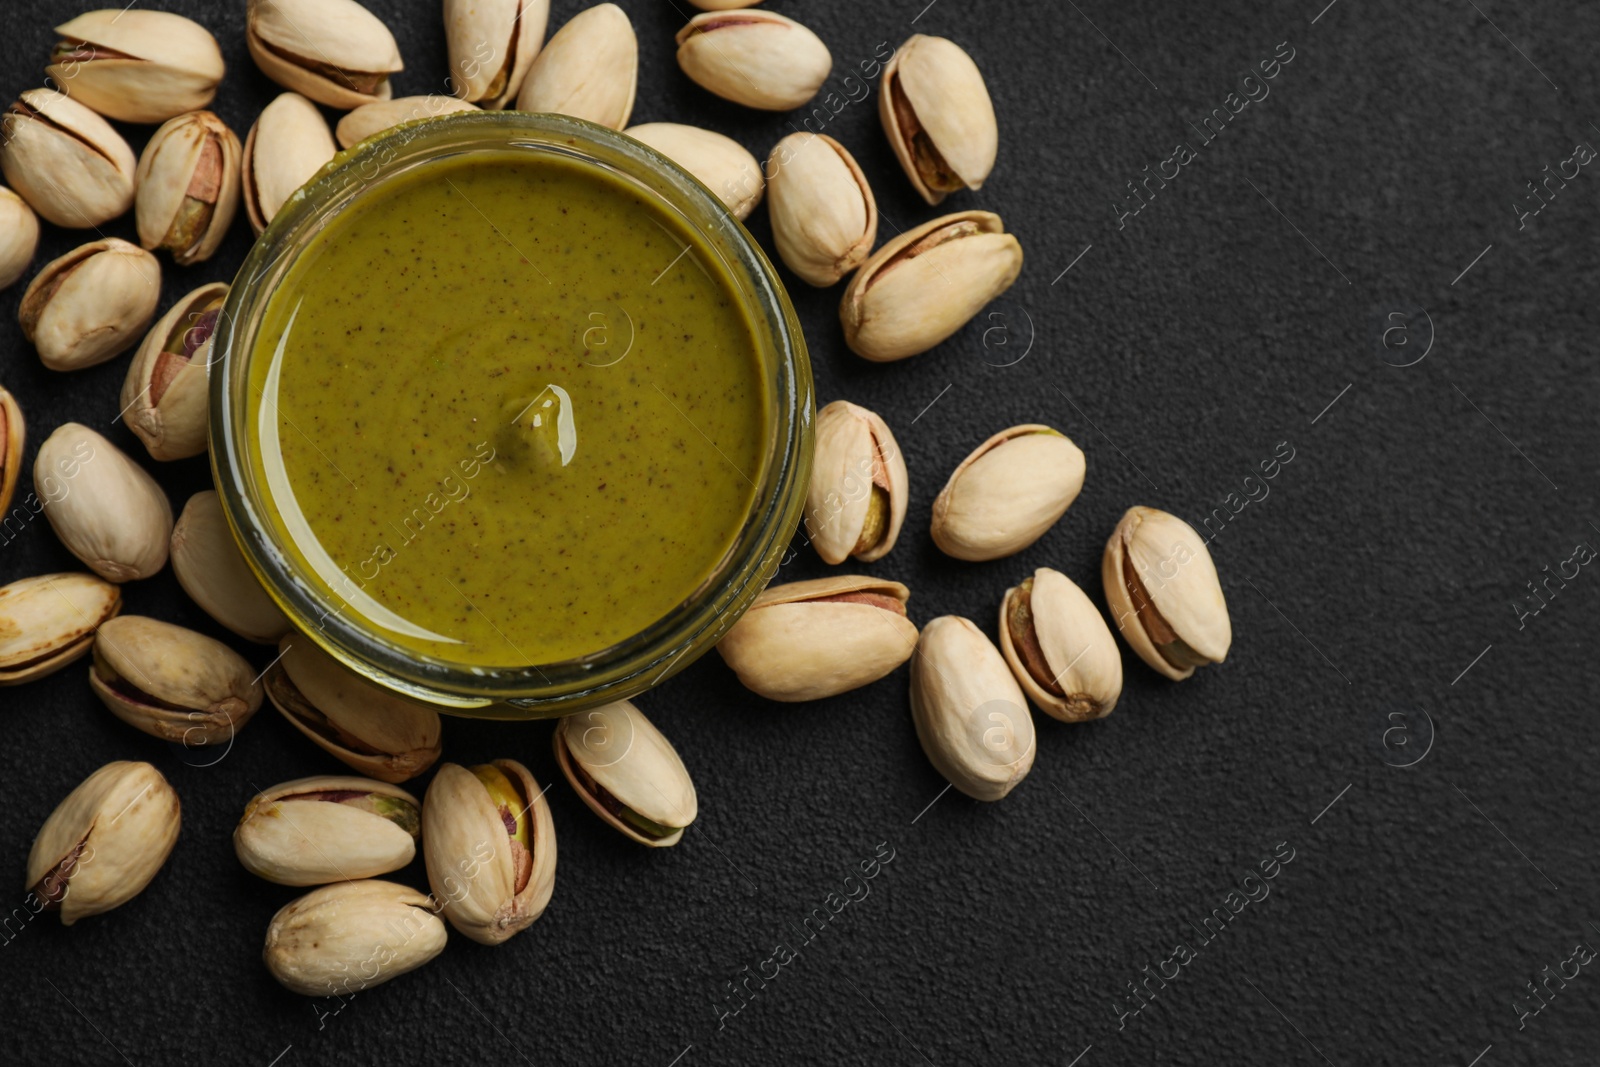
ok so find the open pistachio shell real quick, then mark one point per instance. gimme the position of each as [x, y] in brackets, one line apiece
[723, 5]
[65, 160]
[824, 216]
[970, 714]
[589, 69]
[288, 144]
[490, 846]
[19, 237]
[136, 65]
[90, 304]
[756, 58]
[104, 842]
[349, 936]
[1007, 493]
[50, 621]
[923, 286]
[212, 570]
[720, 163]
[335, 52]
[627, 772]
[188, 186]
[816, 639]
[329, 828]
[165, 398]
[172, 683]
[13, 433]
[1059, 647]
[936, 110]
[369, 119]
[856, 502]
[109, 512]
[1164, 593]
[492, 44]
[379, 733]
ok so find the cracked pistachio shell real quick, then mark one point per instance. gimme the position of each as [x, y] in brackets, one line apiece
[335, 52]
[923, 286]
[165, 396]
[49, 622]
[19, 237]
[1163, 590]
[351, 936]
[1060, 648]
[491, 881]
[816, 639]
[135, 65]
[824, 216]
[627, 772]
[369, 119]
[330, 828]
[288, 144]
[856, 501]
[104, 842]
[213, 571]
[188, 186]
[755, 58]
[110, 514]
[1007, 493]
[936, 110]
[379, 733]
[13, 434]
[971, 716]
[492, 43]
[91, 304]
[65, 160]
[589, 69]
[172, 683]
[719, 163]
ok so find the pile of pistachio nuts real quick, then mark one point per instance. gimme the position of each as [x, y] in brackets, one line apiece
[486, 832]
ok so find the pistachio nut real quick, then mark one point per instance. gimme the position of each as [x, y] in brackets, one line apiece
[172, 683]
[135, 65]
[13, 434]
[213, 571]
[970, 714]
[331, 828]
[90, 304]
[719, 163]
[49, 622]
[627, 772]
[369, 119]
[19, 237]
[164, 396]
[379, 733]
[288, 144]
[816, 639]
[65, 160]
[1163, 589]
[490, 847]
[589, 69]
[1007, 493]
[859, 487]
[351, 936]
[1060, 648]
[335, 52]
[824, 216]
[112, 515]
[755, 58]
[936, 110]
[492, 44]
[104, 842]
[926, 284]
[188, 186]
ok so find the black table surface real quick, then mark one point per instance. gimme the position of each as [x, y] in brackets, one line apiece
[1354, 272]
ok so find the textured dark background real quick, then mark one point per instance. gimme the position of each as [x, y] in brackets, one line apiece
[1178, 351]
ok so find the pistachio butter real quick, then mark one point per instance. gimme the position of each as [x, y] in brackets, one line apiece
[507, 411]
